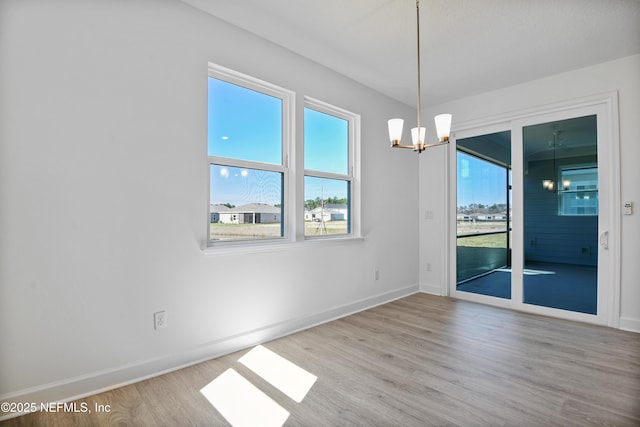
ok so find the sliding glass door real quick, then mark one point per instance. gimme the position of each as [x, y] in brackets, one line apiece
[530, 220]
[560, 210]
[483, 212]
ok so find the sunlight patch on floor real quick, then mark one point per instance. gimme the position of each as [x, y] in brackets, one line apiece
[243, 404]
[284, 375]
[528, 271]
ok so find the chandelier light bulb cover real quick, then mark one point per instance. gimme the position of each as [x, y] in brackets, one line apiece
[418, 139]
[395, 130]
[443, 126]
[442, 121]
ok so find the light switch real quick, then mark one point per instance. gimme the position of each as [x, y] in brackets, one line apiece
[628, 208]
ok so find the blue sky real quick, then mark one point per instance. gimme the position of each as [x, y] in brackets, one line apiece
[326, 142]
[480, 181]
[247, 125]
[243, 123]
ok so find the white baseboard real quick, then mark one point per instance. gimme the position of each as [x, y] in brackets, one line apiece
[97, 382]
[630, 324]
[431, 289]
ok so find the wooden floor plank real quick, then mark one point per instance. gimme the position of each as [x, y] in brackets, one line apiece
[418, 361]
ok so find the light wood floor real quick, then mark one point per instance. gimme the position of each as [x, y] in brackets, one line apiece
[418, 361]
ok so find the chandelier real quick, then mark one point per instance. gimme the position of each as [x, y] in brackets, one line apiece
[443, 121]
[549, 184]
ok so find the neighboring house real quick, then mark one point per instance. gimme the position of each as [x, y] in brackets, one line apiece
[482, 217]
[328, 212]
[252, 213]
[216, 211]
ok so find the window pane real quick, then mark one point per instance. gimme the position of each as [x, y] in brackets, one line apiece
[579, 194]
[244, 124]
[579, 203]
[326, 142]
[580, 179]
[483, 212]
[326, 206]
[560, 228]
[245, 203]
[482, 192]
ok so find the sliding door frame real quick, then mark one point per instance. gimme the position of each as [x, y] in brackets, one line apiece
[605, 107]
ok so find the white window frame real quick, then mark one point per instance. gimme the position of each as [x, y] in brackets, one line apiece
[288, 108]
[353, 174]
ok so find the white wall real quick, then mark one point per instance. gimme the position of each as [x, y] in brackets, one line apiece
[621, 75]
[104, 204]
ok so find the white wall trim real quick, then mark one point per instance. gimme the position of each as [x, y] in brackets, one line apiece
[431, 288]
[608, 97]
[98, 382]
[629, 324]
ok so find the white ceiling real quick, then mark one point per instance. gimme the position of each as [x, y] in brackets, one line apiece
[468, 46]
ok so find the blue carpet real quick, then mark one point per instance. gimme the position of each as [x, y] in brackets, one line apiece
[562, 286]
[495, 284]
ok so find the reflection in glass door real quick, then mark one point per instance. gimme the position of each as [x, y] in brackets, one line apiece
[560, 210]
[483, 215]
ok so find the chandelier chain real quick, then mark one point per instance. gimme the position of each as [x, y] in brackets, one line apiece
[418, 44]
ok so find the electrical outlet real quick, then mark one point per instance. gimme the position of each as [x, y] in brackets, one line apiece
[159, 320]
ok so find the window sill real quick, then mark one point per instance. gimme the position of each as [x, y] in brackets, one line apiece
[239, 248]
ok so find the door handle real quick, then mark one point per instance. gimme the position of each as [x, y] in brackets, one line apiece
[604, 240]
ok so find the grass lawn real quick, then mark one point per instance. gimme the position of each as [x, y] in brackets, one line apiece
[484, 241]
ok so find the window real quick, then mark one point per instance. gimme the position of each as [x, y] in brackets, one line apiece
[329, 154]
[578, 191]
[247, 147]
[255, 190]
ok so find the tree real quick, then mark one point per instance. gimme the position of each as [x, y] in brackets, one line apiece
[311, 204]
